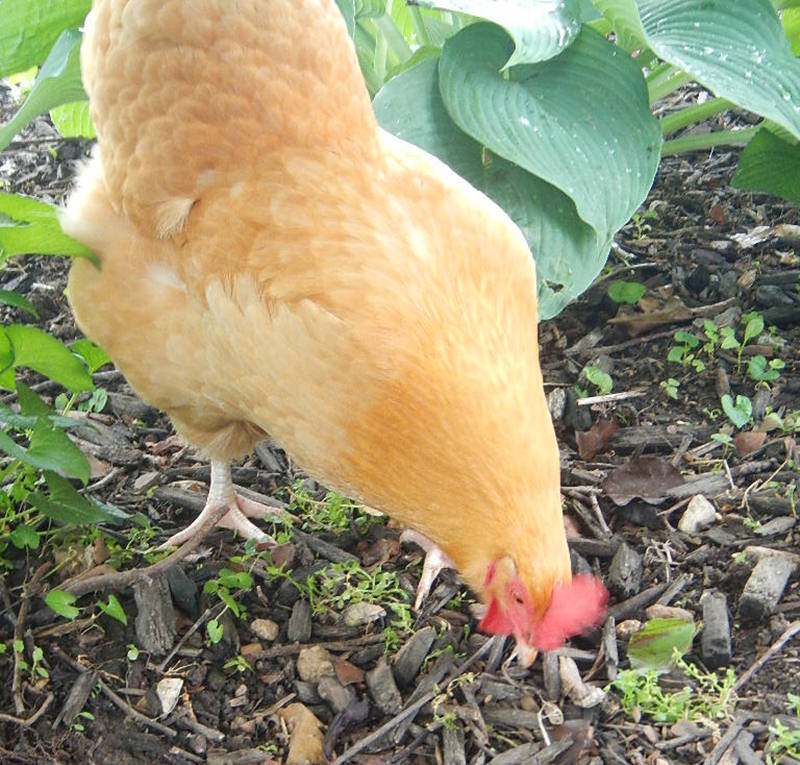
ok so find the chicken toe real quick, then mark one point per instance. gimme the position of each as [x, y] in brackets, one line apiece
[220, 492]
[435, 562]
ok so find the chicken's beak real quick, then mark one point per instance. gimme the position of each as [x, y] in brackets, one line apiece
[525, 653]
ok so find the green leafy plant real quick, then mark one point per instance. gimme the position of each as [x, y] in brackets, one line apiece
[710, 699]
[683, 352]
[640, 225]
[762, 370]
[343, 584]
[740, 412]
[628, 293]
[333, 513]
[600, 379]
[223, 586]
[670, 386]
[239, 663]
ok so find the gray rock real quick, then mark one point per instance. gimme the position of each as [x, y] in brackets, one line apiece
[625, 572]
[334, 693]
[410, 657]
[698, 516]
[715, 646]
[314, 663]
[299, 627]
[383, 689]
[764, 588]
[265, 629]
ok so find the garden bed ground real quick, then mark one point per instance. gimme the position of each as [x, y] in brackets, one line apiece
[430, 688]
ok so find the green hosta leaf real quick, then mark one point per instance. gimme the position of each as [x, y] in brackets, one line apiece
[35, 349]
[653, 645]
[30, 27]
[58, 82]
[73, 120]
[25, 536]
[770, 165]
[791, 26]
[624, 17]
[736, 49]
[62, 603]
[66, 505]
[541, 29]
[739, 413]
[94, 356]
[7, 297]
[114, 609]
[28, 226]
[629, 293]
[579, 121]
[348, 10]
[411, 107]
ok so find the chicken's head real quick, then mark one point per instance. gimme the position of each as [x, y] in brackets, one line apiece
[574, 607]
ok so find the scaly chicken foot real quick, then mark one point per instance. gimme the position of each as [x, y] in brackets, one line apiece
[435, 562]
[221, 494]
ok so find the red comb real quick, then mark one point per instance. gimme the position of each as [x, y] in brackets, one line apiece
[574, 608]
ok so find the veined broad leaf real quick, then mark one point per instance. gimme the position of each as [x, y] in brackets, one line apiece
[58, 82]
[738, 49]
[653, 645]
[73, 120]
[35, 349]
[411, 108]
[66, 505]
[541, 29]
[30, 27]
[28, 226]
[770, 165]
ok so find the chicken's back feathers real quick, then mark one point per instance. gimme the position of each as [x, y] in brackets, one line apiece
[325, 282]
[187, 93]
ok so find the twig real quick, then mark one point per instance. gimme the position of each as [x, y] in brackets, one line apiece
[787, 635]
[608, 397]
[115, 699]
[30, 590]
[219, 608]
[609, 349]
[26, 722]
[599, 513]
[413, 708]
[122, 579]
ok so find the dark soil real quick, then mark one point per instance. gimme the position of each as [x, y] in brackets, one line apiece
[696, 266]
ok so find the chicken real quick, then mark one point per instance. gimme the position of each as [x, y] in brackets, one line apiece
[272, 262]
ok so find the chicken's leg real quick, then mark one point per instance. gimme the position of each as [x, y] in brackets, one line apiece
[220, 492]
[435, 562]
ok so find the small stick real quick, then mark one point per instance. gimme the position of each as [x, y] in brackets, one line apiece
[115, 699]
[787, 635]
[121, 579]
[413, 708]
[28, 721]
[199, 623]
[30, 590]
[609, 397]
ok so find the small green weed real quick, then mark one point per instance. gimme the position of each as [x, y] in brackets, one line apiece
[710, 699]
[222, 586]
[684, 351]
[670, 386]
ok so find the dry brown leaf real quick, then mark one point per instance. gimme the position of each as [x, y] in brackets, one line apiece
[747, 441]
[645, 477]
[656, 310]
[595, 440]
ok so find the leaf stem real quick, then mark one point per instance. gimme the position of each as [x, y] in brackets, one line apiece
[697, 113]
[665, 79]
[707, 141]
